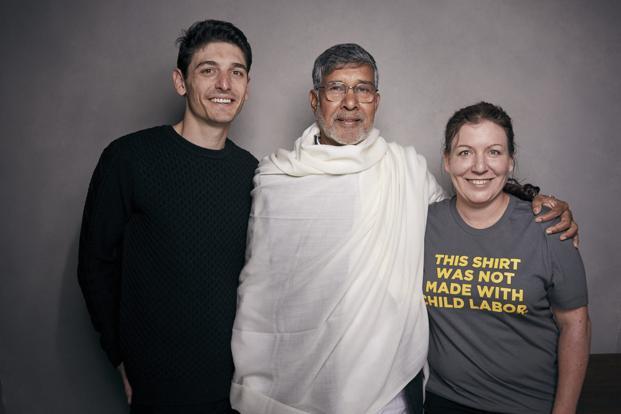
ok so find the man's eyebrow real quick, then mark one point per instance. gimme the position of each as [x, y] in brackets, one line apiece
[206, 62]
[214, 63]
[240, 65]
[358, 82]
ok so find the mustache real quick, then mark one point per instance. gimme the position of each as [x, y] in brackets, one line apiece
[349, 116]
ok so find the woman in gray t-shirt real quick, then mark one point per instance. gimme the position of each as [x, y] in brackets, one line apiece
[509, 326]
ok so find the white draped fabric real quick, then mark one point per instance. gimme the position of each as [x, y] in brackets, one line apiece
[330, 314]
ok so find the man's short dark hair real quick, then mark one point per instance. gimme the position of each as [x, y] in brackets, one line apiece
[207, 31]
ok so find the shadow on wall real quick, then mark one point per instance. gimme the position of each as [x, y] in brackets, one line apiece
[89, 378]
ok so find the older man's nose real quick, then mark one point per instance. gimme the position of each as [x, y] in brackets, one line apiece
[350, 100]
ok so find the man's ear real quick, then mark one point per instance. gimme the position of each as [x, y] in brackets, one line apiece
[314, 99]
[247, 94]
[179, 82]
[377, 101]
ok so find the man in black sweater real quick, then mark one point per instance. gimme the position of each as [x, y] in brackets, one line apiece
[164, 231]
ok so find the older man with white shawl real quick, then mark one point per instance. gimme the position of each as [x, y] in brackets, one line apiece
[330, 315]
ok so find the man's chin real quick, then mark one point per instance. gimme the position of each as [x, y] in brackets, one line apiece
[351, 139]
[346, 137]
[223, 118]
[338, 135]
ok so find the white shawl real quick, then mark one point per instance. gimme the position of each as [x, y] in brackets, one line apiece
[330, 315]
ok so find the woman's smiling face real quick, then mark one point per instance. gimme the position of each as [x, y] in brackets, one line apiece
[479, 163]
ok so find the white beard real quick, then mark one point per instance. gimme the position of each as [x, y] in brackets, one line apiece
[331, 132]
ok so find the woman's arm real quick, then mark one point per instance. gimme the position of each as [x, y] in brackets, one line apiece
[573, 356]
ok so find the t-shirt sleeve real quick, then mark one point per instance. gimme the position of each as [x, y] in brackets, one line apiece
[568, 289]
[106, 213]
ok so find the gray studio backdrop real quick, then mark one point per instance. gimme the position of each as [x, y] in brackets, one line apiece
[76, 75]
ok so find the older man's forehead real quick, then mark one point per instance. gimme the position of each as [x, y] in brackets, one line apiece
[361, 71]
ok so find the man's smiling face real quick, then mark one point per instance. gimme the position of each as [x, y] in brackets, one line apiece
[347, 121]
[216, 83]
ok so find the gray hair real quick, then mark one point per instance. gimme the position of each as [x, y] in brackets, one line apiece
[341, 55]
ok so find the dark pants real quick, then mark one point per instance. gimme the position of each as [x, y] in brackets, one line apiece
[434, 404]
[414, 394]
[220, 407]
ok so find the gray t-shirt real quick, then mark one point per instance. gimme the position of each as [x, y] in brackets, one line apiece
[489, 294]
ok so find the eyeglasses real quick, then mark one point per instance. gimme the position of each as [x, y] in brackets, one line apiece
[336, 91]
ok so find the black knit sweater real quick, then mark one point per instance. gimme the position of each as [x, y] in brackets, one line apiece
[161, 248]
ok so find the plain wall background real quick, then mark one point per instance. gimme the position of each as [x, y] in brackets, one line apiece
[77, 74]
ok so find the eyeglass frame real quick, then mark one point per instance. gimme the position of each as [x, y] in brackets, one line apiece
[347, 88]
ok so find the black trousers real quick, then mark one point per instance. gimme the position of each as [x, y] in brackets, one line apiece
[219, 407]
[434, 404]
[414, 394]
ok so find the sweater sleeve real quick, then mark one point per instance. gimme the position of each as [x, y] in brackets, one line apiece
[106, 213]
